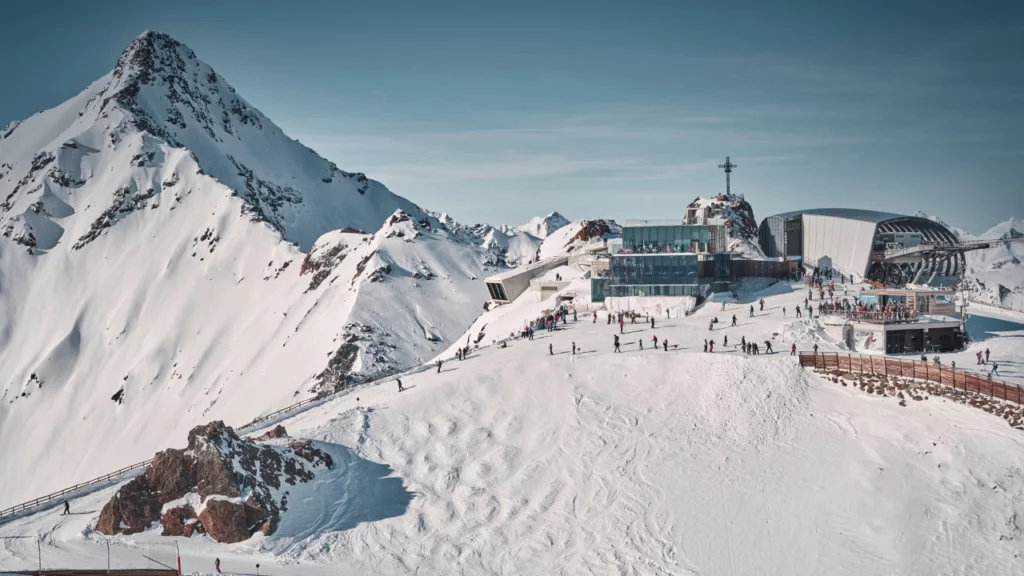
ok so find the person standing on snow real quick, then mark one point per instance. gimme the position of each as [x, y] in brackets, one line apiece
[438, 366]
[705, 345]
[655, 340]
[551, 350]
[725, 340]
[665, 344]
[616, 343]
[751, 310]
[995, 369]
[216, 565]
[67, 508]
[595, 318]
[762, 304]
[986, 355]
[792, 351]
[573, 348]
[783, 311]
[652, 322]
[399, 380]
[815, 348]
[711, 345]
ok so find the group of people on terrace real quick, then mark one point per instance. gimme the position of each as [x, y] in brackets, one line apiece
[654, 248]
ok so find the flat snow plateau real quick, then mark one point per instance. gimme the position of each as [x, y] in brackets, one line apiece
[516, 461]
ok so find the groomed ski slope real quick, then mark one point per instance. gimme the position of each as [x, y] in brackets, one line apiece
[515, 461]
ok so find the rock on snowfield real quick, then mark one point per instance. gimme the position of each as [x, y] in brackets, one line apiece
[241, 486]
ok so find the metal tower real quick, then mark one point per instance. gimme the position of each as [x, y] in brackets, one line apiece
[728, 166]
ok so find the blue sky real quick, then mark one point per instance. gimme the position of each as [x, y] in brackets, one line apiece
[495, 112]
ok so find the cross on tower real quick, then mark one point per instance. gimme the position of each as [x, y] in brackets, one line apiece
[728, 166]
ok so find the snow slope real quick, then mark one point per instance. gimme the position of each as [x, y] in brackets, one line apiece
[168, 257]
[515, 461]
[996, 276]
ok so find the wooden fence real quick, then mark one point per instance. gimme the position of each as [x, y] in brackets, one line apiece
[916, 369]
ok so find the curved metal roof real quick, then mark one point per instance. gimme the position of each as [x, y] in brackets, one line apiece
[848, 213]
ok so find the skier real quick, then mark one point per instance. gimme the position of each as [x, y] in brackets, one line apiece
[815, 348]
[667, 315]
[595, 318]
[783, 311]
[751, 310]
[641, 341]
[551, 350]
[980, 362]
[573, 348]
[622, 325]
[216, 565]
[400, 388]
[655, 340]
[705, 345]
[652, 322]
[438, 366]
[768, 347]
[733, 319]
[797, 311]
[616, 342]
[573, 315]
[665, 344]
[792, 351]
[67, 508]
[995, 369]
[762, 305]
[743, 342]
[986, 355]
[711, 346]
[725, 340]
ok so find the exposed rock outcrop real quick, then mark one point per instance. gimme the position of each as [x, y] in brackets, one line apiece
[224, 521]
[215, 469]
[132, 509]
[180, 521]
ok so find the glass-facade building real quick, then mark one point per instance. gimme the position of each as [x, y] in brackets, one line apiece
[674, 239]
[668, 260]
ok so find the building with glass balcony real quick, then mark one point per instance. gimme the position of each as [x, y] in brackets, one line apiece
[667, 237]
[667, 259]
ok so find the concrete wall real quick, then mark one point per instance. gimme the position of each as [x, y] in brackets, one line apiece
[847, 242]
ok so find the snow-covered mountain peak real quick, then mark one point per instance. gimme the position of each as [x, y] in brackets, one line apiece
[542, 226]
[163, 116]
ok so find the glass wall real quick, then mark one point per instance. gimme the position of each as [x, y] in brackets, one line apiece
[598, 289]
[700, 290]
[673, 239]
[654, 269]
